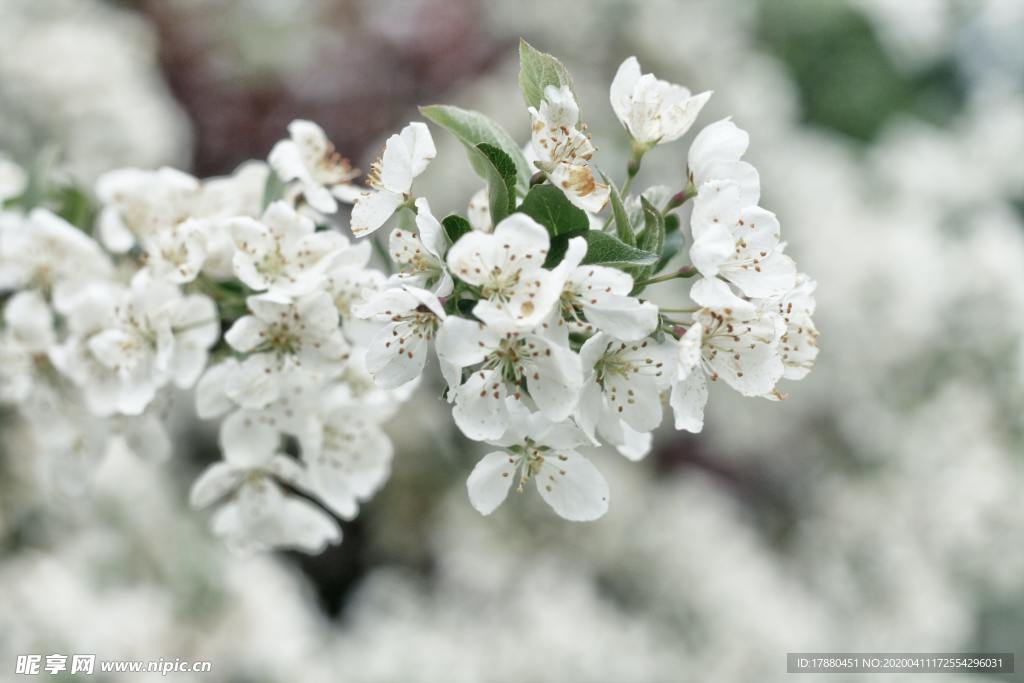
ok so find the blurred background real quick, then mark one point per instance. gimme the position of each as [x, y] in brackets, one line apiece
[879, 508]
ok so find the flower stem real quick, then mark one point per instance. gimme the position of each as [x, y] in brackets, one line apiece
[684, 272]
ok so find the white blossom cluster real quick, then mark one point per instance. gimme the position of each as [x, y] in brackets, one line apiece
[534, 302]
[240, 288]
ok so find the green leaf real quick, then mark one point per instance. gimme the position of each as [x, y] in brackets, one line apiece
[608, 250]
[623, 228]
[76, 207]
[473, 128]
[537, 70]
[673, 244]
[549, 206]
[501, 181]
[273, 189]
[455, 226]
[652, 237]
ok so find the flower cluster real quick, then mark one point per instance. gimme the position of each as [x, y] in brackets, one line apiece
[534, 303]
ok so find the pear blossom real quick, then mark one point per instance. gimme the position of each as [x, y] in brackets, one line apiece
[652, 110]
[563, 151]
[599, 296]
[279, 338]
[179, 253]
[799, 344]
[258, 514]
[397, 354]
[283, 253]
[139, 203]
[420, 256]
[155, 336]
[716, 154]
[504, 364]
[308, 158]
[508, 267]
[44, 251]
[25, 341]
[739, 243]
[621, 396]
[478, 212]
[405, 156]
[543, 450]
[740, 347]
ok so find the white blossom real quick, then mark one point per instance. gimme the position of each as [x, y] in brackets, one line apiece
[652, 110]
[716, 154]
[279, 338]
[479, 211]
[508, 267]
[543, 450]
[621, 395]
[502, 364]
[398, 352]
[258, 514]
[563, 151]
[25, 341]
[309, 158]
[45, 251]
[740, 347]
[283, 254]
[405, 156]
[420, 256]
[799, 344]
[738, 242]
[598, 296]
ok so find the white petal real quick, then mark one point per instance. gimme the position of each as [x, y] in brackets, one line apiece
[461, 342]
[420, 145]
[211, 397]
[554, 378]
[480, 410]
[689, 396]
[372, 209]
[247, 441]
[246, 334]
[490, 481]
[431, 231]
[621, 91]
[214, 483]
[572, 486]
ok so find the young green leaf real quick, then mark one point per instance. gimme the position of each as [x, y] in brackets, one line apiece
[455, 226]
[623, 228]
[473, 128]
[501, 180]
[549, 206]
[537, 70]
[608, 250]
[652, 237]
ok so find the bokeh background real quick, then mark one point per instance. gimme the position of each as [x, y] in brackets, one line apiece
[879, 508]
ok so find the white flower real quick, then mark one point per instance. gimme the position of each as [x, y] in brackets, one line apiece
[799, 345]
[507, 266]
[281, 337]
[479, 211]
[738, 242]
[599, 296]
[563, 151]
[542, 450]
[177, 253]
[652, 110]
[139, 204]
[406, 155]
[504, 363]
[621, 396]
[420, 256]
[282, 253]
[348, 455]
[397, 354]
[716, 154]
[309, 158]
[156, 336]
[259, 515]
[740, 347]
[47, 252]
[25, 341]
